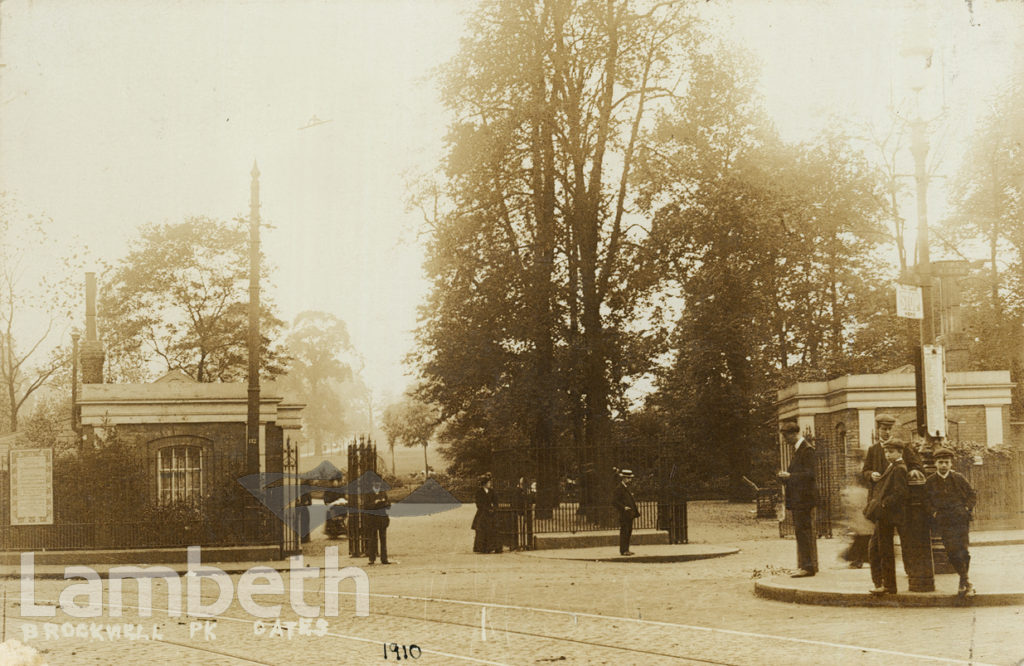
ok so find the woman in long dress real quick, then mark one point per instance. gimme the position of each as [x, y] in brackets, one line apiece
[483, 521]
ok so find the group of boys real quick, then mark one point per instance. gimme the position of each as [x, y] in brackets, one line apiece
[889, 467]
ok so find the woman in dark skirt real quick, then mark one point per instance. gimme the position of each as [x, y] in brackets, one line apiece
[483, 521]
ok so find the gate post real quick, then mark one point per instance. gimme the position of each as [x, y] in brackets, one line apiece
[353, 522]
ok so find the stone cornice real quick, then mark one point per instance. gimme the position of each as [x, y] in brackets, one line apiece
[182, 402]
[989, 388]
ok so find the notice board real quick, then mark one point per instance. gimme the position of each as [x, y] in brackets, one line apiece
[32, 487]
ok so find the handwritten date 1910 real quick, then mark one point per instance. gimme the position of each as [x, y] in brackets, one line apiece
[401, 652]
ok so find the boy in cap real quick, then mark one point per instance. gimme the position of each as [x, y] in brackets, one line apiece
[801, 498]
[875, 464]
[625, 504]
[892, 491]
[951, 500]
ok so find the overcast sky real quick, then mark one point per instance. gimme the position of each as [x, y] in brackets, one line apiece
[115, 113]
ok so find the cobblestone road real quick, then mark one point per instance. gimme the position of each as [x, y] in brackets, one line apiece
[605, 613]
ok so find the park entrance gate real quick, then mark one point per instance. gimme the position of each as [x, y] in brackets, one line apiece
[362, 458]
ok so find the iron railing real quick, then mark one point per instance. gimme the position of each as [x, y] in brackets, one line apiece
[259, 530]
[574, 485]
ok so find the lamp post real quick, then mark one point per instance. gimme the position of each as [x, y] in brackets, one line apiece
[915, 537]
[75, 426]
[940, 344]
[252, 434]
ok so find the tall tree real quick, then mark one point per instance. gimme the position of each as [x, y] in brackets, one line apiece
[411, 422]
[768, 246]
[989, 204]
[35, 308]
[180, 296]
[531, 260]
[320, 370]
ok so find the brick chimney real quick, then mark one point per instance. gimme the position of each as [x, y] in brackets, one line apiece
[91, 354]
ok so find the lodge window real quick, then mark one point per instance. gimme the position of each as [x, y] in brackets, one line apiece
[179, 474]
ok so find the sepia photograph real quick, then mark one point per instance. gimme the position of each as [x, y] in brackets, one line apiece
[512, 332]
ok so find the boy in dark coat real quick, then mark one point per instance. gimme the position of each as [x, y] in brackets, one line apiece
[892, 491]
[625, 504]
[951, 500]
[801, 498]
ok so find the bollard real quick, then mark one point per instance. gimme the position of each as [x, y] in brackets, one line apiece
[916, 541]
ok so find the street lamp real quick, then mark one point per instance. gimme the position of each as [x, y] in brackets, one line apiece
[252, 442]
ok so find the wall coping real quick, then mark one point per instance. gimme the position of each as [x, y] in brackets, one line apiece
[891, 390]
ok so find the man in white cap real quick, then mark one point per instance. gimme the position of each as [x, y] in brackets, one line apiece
[625, 504]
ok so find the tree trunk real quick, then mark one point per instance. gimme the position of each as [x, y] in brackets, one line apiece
[543, 186]
[588, 222]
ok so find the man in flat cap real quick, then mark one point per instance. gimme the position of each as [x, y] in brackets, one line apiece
[625, 504]
[801, 498]
[875, 462]
[951, 500]
[875, 465]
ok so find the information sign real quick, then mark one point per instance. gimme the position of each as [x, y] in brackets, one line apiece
[909, 303]
[933, 369]
[32, 487]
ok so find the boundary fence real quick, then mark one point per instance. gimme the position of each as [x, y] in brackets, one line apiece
[580, 483]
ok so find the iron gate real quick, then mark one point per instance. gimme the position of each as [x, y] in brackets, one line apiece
[292, 529]
[362, 458]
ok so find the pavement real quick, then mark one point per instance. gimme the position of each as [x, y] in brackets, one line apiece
[683, 552]
[996, 583]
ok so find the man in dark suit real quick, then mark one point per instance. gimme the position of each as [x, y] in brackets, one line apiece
[522, 505]
[377, 521]
[625, 504]
[801, 498]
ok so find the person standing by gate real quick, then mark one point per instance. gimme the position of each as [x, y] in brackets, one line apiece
[305, 501]
[522, 504]
[625, 504]
[377, 521]
[951, 500]
[485, 540]
[800, 482]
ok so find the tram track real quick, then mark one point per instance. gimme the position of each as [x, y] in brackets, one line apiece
[522, 632]
[429, 621]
